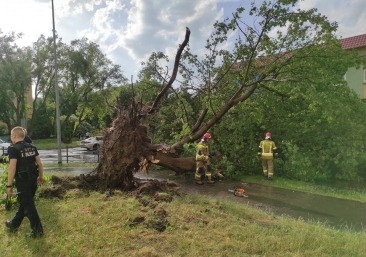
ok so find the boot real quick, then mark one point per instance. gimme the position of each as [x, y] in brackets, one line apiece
[270, 176]
[10, 226]
[34, 234]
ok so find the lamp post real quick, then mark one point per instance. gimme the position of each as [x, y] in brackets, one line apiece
[58, 124]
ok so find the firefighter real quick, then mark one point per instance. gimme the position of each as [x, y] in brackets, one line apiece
[202, 161]
[266, 152]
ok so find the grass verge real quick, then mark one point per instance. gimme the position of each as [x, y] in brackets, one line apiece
[51, 143]
[96, 224]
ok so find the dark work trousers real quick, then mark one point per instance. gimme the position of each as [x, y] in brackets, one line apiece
[27, 208]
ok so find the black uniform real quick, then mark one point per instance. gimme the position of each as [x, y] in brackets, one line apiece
[28, 139]
[26, 183]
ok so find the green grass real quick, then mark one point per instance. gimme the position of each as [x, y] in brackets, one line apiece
[51, 143]
[70, 165]
[92, 224]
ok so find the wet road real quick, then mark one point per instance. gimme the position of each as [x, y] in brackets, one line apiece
[76, 154]
[338, 213]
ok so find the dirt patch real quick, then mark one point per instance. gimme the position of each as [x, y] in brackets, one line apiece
[153, 186]
[159, 190]
[134, 222]
[159, 221]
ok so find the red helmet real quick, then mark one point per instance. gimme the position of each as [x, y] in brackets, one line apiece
[207, 136]
[268, 135]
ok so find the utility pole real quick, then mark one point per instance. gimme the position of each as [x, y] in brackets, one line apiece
[58, 124]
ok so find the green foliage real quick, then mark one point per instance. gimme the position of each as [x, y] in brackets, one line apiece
[4, 180]
[126, 95]
[67, 128]
[15, 80]
[81, 128]
[284, 75]
[3, 130]
[7, 202]
[318, 132]
[51, 143]
[4, 165]
[87, 79]
[42, 125]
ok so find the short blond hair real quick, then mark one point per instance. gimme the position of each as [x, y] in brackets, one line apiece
[18, 132]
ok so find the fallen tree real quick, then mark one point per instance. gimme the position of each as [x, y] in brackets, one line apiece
[257, 61]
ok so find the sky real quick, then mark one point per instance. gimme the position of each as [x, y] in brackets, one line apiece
[128, 31]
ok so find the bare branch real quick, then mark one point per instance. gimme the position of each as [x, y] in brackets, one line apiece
[199, 120]
[174, 73]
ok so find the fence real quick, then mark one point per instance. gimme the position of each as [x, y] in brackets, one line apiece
[67, 155]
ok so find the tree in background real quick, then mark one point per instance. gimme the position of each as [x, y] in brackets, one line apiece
[42, 123]
[87, 78]
[15, 80]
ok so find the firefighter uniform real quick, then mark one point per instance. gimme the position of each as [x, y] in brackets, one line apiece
[202, 161]
[266, 153]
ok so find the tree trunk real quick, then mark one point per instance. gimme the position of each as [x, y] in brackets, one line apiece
[179, 165]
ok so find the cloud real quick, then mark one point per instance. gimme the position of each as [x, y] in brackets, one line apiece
[15, 17]
[137, 28]
[350, 15]
[156, 25]
[128, 31]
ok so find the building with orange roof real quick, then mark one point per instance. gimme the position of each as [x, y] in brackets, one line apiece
[356, 78]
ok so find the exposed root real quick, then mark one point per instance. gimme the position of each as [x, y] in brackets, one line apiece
[154, 187]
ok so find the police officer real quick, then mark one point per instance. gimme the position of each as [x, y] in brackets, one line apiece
[25, 166]
[266, 151]
[202, 161]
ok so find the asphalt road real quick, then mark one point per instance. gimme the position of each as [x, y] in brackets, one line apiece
[76, 154]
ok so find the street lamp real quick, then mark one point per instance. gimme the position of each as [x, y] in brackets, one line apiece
[58, 124]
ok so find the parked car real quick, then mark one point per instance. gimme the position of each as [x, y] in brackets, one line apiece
[3, 149]
[92, 143]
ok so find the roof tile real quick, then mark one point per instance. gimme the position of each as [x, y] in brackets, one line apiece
[354, 42]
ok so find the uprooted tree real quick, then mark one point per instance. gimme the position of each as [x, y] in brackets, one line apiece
[284, 48]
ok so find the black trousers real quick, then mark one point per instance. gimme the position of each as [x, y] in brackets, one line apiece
[27, 208]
